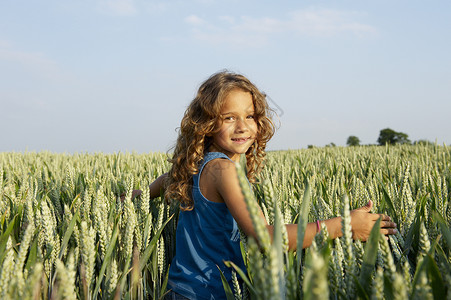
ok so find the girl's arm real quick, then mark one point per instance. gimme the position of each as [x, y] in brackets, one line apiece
[225, 181]
[155, 188]
[362, 221]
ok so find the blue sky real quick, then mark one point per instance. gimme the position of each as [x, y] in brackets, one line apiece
[117, 75]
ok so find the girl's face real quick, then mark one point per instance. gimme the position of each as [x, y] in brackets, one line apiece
[238, 130]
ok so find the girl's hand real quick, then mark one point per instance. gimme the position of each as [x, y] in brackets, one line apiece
[362, 221]
[155, 189]
[135, 193]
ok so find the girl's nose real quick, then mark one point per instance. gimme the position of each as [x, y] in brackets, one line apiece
[241, 126]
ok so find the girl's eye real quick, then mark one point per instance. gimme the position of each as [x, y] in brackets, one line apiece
[251, 117]
[230, 118]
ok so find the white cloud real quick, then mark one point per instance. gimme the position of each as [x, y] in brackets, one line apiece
[194, 20]
[231, 38]
[313, 22]
[33, 62]
[227, 19]
[119, 8]
[260, 26]
[251, 31]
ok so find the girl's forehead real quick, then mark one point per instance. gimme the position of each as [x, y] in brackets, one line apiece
[238, 100]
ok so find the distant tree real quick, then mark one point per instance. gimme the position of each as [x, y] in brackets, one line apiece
[353, 141]
[392, 137]
[423, 142]
[332, 144]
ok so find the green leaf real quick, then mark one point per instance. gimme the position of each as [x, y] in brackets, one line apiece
[147, 227]
[243, 253]
[388, 201]
[437, 284]
[125, 272]
[363, 294]
[388, 287]
[302, 223]
[444, 227]
[227, 289]
[277, 245]
[106, 261]
[67, 234]
[165, 283]
[418, 270]
[32, 256]
[4, 238]
[149, 249]
[242, 275]
[413, 234]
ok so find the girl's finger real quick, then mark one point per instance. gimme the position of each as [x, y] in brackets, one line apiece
[388, 224]
[388, 231]
[375, 217]
[385, 217]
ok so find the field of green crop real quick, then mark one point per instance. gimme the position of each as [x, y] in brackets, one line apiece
[66, 234]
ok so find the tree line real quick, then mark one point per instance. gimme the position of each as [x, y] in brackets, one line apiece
[387, 136]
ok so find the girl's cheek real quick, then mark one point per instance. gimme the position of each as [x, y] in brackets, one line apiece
[224, 131]
[226, 128]
[255, 129]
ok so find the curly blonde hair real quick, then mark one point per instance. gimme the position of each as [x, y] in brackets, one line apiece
[201, 120]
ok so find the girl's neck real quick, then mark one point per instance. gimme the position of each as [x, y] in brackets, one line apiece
[233, 156]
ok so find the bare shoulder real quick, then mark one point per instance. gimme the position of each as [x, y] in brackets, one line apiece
[220, 173]
[216, 177]
[220, 167]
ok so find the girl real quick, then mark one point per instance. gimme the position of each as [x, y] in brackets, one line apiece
[228, 118]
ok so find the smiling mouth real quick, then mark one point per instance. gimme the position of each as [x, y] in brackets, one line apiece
[241, 140]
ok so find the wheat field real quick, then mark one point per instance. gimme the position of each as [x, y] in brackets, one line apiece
[65, 233]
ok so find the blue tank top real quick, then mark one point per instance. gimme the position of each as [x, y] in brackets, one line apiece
[205, 237]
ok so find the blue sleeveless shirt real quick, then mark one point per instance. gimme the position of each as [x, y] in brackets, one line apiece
[206, 237]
